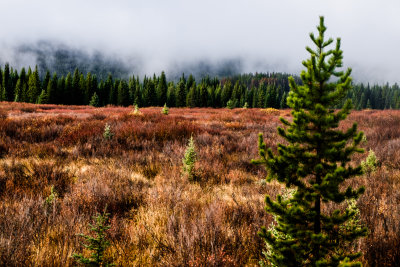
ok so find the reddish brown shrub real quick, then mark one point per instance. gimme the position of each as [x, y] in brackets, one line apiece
[31, 178]
[158, 216]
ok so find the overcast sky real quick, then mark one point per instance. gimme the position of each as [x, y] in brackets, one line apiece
[267, 35]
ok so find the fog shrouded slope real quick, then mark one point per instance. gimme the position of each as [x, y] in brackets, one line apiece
[204, 37]
[62, 59]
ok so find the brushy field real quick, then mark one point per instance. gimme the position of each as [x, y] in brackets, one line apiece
[158, 217]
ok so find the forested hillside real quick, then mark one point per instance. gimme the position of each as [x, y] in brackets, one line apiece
[251, 90]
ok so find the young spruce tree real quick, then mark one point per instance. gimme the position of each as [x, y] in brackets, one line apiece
[97, 244]
[313, 164]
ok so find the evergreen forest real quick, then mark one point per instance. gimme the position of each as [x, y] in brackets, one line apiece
[259, 90]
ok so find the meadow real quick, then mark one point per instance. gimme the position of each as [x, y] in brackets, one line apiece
[158, 216]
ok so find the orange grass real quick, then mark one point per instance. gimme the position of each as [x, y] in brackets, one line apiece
[157, 216]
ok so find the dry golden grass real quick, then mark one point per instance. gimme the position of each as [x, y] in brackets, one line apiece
[158, 217]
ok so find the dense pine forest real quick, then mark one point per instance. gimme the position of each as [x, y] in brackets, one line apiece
[251, 90]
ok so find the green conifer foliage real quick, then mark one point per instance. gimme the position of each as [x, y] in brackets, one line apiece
[190, 82]
[314, 163]
[370, 163]
[189, 160]
[46, 80]
[88, 92]
[162, 89]
[52, 89]
[43, 99]
[165, 109]
[136, 110]
[211, 96]
[60, 91]
[261, 96]
[137, 95]
[23, 83]
[7, 85]
[150, 95]
[69, 98]
[108, 134]
[109, 90]
[76, 89]
[18, 91]
[171, 102]
[123, 94]
[191, 97]
[94, 101]
[97, 243]
[181, 94]
[226, 93]
[230, 104]
[34, 86]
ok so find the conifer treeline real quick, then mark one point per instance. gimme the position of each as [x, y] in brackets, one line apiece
[257, 90]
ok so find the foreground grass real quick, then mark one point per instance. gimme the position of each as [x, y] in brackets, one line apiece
[158, 217]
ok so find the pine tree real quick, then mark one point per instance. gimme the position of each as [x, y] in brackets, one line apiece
[237, 94]
[76, 88]
[88, 92]
[24, 86]
[2, 92]
[190, 82]
[171, 95]
[46, 80]
[162, 89]
[108, 90]
[203, 95]
[52, 89]
[18, 91]
[43, 99]
[283, 101]
[217, 98]
[191, 98]
[255, 98]
[14, 79]
[181, 94]
[313, 165]
[132, 89]
[68, 96]
[81, 89]
[137, 96]
[94, 85]
[123, 94]
[94, 101]
[7, 93]
[108, 134]
[226, 93]
[34, 86]
[165, 109]
[189, 160]
[150, 95]
[210, 96]
[261, 97]
[97, 243]
[270, 97]
[60, 99]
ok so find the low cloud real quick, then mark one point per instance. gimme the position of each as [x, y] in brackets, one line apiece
[247, 36]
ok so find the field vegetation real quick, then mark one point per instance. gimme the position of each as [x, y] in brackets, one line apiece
[59, 168]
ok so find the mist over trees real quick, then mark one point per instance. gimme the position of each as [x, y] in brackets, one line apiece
[61, 58]
[259, 90]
